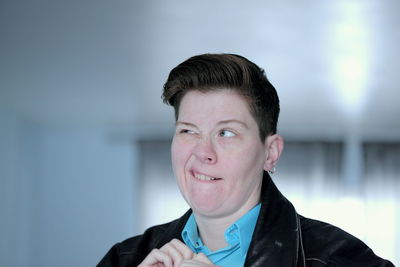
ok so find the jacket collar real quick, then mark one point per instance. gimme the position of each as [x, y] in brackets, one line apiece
[277, 237]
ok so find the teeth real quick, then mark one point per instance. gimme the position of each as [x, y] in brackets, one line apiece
[204, 177]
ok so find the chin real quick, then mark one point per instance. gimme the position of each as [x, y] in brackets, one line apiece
[210, 209]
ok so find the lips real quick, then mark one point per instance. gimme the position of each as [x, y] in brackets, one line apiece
[204, 177]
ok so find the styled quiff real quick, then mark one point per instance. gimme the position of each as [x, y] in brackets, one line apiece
[211, 72]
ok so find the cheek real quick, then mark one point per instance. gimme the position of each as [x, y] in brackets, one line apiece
[179, 154]
[174, 153]
[246, 161]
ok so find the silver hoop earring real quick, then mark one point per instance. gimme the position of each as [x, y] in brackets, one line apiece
[272, 171]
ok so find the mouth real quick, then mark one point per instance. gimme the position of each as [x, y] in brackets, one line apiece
[203, 177]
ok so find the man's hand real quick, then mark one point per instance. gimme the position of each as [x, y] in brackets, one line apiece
[199, 260]
[171, 254]
[175, 254]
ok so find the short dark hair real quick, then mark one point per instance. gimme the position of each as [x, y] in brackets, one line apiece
[209, 72]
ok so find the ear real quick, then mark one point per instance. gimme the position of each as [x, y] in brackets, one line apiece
[273, 147]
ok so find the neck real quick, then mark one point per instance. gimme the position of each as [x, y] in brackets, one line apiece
[212, 232]
[212, 229]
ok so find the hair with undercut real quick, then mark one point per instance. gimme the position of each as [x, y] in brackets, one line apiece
[211, 72]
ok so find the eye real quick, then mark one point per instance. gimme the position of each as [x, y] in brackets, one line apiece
[226, 133]
[186, 131]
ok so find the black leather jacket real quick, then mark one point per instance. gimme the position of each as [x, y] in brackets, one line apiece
[281, 238]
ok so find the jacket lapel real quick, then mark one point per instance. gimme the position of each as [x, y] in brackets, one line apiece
[276, 239]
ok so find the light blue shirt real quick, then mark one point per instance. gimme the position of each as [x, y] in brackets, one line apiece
[238, 236]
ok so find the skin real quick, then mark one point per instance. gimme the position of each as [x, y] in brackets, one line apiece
[173, 254]
[217, 137]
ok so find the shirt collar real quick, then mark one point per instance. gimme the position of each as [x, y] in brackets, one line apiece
[245, 227]
[241, 231]
[190, 234]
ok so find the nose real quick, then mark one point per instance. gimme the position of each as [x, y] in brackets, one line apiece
[205, 152]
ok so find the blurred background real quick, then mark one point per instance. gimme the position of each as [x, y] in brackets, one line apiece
[84, 136]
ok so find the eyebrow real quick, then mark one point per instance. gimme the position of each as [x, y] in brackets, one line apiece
[219, 123]
[233, 121]
[185, 123]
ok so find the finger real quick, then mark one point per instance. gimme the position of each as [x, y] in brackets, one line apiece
[202, 258]
[196, 263]
[182, 248]
[178, 251]
[173, 253]
[155, 257]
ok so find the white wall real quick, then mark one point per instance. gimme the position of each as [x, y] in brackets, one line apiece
[14, 194]
[67, 195]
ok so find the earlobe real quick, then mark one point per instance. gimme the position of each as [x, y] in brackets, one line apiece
[273, 150]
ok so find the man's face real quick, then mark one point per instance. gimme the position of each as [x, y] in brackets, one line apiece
[217, 155]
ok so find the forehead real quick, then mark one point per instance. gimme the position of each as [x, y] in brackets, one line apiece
[222, 104]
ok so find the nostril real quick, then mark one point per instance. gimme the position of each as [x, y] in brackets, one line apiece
[210, 160]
